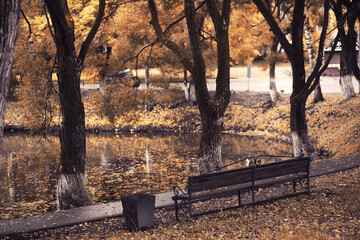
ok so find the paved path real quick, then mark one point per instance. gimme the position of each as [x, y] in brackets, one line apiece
[114, 209]
[283, 84]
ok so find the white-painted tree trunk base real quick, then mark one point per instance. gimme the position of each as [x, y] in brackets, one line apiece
[273, 90]
[210, 160]
[186, 91]
[71, 191]
[189, 92]
[302, 145]
[347, 87]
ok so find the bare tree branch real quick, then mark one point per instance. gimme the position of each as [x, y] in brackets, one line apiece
[28, 23]
[274, 27]
[48, 21]
[152, 44]
[184, 58]
[326, 64]
[86, 44]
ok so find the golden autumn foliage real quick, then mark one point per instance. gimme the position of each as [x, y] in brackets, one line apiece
[36, 92]
[248, 34]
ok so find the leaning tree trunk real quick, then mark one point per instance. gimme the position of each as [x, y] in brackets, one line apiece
[9, 23]
[318, 96]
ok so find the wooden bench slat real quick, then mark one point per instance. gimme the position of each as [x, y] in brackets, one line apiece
[278, 172]
[221, 181]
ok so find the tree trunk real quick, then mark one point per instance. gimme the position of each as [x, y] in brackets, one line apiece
[274, 94]
[272, 64]
[186, 87]
[347, 87]
[301, 88]
[9, 23]
[147, 76]
[189, 90]
[348, 47]
[301, 141]
[210, 145]
[352, 35]
[211, 109]
[71, 187]
[71, 179]
[318, 96]
[345, 81]
[354, 40]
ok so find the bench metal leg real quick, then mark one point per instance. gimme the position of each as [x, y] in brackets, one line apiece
[190, 208]
[176, 210]
[294, 185]
[253, 185]
[239, 198]
[253, 197]
[308, 184]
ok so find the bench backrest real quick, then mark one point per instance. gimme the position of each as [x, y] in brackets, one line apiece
[232, 177]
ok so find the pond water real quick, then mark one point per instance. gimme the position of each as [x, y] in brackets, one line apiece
[116, 165]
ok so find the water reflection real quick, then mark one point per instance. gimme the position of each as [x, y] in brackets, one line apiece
[131, 164]
[116, 165]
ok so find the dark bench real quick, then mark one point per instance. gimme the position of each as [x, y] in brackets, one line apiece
[241, 180]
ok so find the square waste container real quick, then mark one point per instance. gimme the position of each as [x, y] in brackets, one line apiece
[138, 211]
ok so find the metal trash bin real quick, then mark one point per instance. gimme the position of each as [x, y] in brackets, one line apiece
[138, 210]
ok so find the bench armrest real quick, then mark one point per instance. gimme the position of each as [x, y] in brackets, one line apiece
[179, 192]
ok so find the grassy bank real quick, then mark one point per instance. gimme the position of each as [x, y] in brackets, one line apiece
[334, 125]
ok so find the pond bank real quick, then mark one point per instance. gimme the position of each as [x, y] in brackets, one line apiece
[333, 125]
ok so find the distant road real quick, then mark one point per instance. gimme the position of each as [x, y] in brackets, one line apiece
[328, 85]
[259, 81]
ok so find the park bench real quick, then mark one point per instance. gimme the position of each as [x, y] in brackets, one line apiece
[225, 183]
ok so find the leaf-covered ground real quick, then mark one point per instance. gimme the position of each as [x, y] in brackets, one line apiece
[333, 125]
[331, 211]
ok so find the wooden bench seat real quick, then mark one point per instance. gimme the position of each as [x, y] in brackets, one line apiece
[241, 180]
